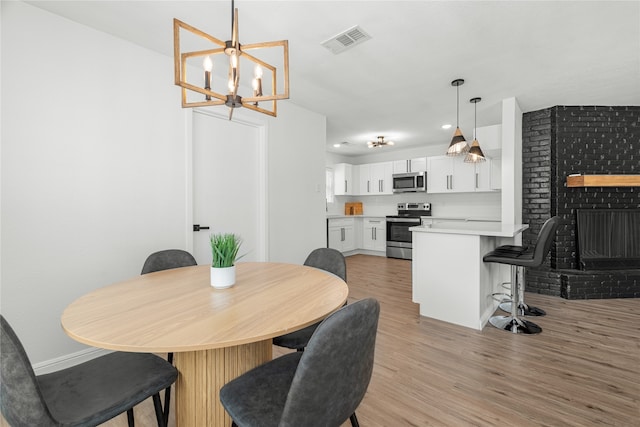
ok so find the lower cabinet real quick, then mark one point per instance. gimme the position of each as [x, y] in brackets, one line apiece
[342, 234]
[374, 234]
[352, 234]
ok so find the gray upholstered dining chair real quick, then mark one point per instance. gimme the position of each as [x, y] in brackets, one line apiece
[327, 259]
[166, 260]
[87, 394]
[321, 386]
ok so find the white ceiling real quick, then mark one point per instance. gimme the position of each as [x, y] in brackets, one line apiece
[398, 84]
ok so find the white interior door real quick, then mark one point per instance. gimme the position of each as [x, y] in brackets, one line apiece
[228, 191]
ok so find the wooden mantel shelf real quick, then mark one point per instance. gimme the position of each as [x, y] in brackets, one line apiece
[603, 181]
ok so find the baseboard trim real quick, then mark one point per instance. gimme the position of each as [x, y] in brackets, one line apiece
[68, 360]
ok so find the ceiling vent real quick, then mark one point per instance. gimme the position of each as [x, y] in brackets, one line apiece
[346, 40]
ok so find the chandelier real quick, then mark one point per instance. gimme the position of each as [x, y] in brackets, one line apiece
[380, 142]
[231, 55]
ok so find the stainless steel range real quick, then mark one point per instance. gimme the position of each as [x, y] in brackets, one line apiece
[398, 235]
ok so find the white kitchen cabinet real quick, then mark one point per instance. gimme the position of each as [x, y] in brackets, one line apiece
[374, 234]
[489, 175]
[376, 178]
[418, 164]
[450, 175]
[342, 234]
[343, 179]
[496, 173]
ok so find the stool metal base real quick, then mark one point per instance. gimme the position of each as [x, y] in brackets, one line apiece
[523, 309]
[515, 325]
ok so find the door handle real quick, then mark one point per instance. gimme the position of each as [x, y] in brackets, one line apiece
[198, 227]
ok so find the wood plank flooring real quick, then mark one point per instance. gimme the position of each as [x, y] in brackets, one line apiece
[582, 370]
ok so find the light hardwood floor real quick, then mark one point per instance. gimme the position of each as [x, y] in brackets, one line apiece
[582, 370]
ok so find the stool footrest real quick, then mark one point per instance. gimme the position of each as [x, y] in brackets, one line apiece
[523, 309]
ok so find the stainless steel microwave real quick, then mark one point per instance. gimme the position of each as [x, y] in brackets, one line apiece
[409, 182]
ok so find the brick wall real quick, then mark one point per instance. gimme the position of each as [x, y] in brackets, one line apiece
[559, 141]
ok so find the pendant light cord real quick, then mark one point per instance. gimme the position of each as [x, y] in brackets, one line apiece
[457, 106]
[232, 16]
[475, 119]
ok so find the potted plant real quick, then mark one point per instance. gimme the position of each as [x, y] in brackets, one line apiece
[224, 251]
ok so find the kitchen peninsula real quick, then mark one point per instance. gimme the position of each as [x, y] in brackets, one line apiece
[450, 280]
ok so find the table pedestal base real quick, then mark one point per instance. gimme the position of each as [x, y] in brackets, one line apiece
[203, 373]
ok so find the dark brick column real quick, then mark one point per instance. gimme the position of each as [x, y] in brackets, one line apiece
[559, 141]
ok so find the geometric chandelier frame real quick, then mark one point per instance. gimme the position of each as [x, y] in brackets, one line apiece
[263, 103]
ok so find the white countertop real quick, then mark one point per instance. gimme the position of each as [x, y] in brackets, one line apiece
[434, 218]
[473, 228]
[339, 216]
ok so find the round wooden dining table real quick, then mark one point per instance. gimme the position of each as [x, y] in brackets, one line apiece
[215, 334]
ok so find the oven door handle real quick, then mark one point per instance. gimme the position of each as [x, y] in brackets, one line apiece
[409, 220]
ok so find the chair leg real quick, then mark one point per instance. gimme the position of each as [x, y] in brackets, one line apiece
[523, 308]
[167, 403]
[157, 404]
[354, 420]
[514, 323]
[167, 395]
[130, 419]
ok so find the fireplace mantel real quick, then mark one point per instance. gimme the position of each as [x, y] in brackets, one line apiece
[603, 181]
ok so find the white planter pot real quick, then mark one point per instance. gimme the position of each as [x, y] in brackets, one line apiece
[222, 278]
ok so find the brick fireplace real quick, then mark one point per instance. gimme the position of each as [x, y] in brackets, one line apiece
[560, 141]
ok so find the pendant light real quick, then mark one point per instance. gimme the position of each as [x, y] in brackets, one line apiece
[475, 154]
[458, 144]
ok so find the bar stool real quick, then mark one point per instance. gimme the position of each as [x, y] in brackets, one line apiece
[519, 257]
[505, 303]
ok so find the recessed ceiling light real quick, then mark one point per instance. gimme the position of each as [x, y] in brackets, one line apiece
[447, 126]
[337, 145]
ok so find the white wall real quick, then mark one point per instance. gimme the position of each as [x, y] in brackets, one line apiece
[94, 170]
[297, 220]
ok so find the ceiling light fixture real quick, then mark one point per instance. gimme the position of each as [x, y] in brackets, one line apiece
[458, 144]
[380, 142]
[235, 53]
[475, 154]
[447, 126]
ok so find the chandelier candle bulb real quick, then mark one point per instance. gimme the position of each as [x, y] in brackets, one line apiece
[257, 81]
[208, 66]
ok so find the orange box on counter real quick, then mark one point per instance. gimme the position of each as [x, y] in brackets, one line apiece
[354, 208]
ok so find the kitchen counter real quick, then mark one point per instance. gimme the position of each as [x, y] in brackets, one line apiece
[478, 228]
[338, 216]
[450, 280]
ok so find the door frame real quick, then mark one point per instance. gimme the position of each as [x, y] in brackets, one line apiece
[262, 246]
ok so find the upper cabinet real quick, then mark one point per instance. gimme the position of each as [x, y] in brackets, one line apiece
[452, 175]
[449, 174]
[375, 178]
[343, 179]
[413, 165]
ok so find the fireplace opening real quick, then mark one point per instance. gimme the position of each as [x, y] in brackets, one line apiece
[608, 239]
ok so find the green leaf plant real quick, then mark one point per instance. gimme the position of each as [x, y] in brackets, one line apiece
[224, 248]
